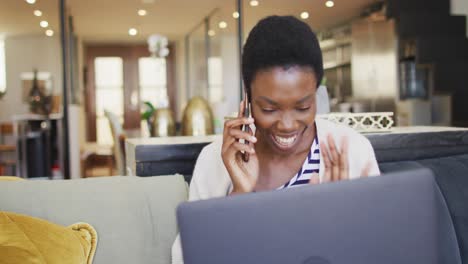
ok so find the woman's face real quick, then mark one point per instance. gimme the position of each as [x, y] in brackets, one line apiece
[283, 106]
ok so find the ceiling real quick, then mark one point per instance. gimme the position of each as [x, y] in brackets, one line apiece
[110, 20]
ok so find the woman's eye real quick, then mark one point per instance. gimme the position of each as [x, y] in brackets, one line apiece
[303, 109]
[268, 110]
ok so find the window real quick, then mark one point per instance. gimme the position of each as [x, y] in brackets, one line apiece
[153, 81]
[109, 94]
[2, 67]
[215, 79]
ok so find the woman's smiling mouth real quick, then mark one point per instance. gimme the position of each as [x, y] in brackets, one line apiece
[285, 142]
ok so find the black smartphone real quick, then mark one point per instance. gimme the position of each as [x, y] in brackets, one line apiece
[245, 128]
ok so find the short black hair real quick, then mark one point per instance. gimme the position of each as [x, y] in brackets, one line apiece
[280, 41]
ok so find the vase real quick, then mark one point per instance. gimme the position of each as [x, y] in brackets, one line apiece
[198, 118]
[163, 123]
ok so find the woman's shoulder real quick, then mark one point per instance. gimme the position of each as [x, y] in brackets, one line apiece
[210, 177]
[325, 127]
[210, 155]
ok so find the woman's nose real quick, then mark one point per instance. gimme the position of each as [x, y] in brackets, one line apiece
[286, 123]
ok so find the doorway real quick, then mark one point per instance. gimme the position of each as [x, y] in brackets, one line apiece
[118, 79]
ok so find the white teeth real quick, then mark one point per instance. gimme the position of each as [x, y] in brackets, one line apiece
[285, 141]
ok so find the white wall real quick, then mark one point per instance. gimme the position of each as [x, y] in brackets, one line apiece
[460, 7]
[23, 54]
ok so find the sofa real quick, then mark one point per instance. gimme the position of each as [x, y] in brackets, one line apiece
[446, 154]
[135, 216]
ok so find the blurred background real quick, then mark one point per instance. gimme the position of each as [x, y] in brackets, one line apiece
[77, 77]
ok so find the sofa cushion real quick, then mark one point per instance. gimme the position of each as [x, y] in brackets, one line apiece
[451, 174]
[134, 217]
[25, 239]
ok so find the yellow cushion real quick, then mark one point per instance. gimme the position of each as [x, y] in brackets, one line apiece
[10, 178]
[25, 239]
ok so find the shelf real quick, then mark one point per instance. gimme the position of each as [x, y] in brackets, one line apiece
[26, 117]
[330, 66]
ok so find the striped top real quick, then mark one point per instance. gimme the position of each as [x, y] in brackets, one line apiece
[310, 167]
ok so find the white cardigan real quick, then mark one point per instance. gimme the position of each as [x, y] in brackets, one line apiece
[210, 178]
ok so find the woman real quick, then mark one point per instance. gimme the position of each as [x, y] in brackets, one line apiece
[287, 146]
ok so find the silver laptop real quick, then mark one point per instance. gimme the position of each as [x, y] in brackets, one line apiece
[396, 218]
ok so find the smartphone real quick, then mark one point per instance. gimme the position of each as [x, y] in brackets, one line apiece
[245, 128]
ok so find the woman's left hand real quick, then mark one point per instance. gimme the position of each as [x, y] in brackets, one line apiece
[336, 162]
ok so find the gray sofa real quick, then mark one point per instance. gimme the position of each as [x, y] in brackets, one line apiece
[446, 154]
[135, 216]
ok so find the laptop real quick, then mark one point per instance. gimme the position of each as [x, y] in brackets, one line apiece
[395, 218]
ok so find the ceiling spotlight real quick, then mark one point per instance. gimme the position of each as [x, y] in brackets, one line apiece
[31, 1]
[304, 15]
[329, 3]
[235, 14]
[211, 33]
[44, 24]
[254, 3]
[49, 32]
[142, 12]
[132, 31]
[222, 24]
[38, 13]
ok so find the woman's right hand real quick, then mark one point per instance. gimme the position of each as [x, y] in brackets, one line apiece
[243, 174]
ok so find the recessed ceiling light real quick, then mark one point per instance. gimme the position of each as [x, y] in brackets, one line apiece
[132, 31]
[142, 12]
[49, 32]
[329, 3]
[31, 1]
[235, 14]
[222, 24]
[38, 13]
[304, 15]
[254, 3]
[211, 33]
[44, 24]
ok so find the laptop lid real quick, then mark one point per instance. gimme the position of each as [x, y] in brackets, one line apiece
[396, 218]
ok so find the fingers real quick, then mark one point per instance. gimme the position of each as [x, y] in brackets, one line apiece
[327, 176]
[238, 134]
[237, 122]
[344, 159]
[335, 160]
[240, 147]
[232, 131]
[234, 138]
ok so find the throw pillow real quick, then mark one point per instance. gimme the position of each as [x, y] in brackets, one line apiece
[26, 239]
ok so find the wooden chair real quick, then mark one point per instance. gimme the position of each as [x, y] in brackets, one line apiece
[119, 146]
[95, 156]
